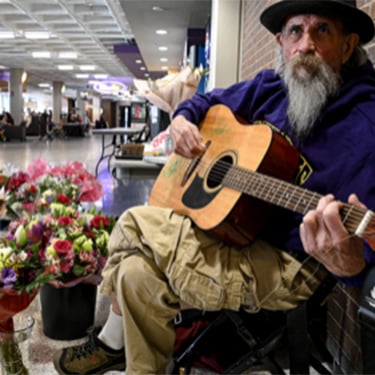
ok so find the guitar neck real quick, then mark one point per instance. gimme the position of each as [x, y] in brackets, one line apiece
[286, 195]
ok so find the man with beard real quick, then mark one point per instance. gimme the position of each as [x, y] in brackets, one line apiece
[321, 98]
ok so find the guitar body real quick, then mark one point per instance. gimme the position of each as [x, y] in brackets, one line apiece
[195, 187]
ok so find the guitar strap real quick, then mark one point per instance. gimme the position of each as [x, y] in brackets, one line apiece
[366, 317]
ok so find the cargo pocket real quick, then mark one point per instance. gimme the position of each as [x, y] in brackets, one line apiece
[197, 290]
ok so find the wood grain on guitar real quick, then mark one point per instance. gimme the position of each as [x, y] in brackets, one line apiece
[230, 189]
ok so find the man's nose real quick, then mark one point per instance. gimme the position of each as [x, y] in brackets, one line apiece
[306, 43]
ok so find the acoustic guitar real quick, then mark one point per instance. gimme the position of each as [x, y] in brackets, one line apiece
[229, 191]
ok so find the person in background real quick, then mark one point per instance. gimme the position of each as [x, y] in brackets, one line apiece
[101, 123]
[28, 117]
[7, 119]
[320, 97]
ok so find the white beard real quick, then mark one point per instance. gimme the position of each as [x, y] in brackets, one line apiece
[310, 82]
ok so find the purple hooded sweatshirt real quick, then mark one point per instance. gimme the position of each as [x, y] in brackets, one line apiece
[340, 150]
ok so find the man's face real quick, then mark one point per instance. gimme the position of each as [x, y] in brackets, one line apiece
[317, 36]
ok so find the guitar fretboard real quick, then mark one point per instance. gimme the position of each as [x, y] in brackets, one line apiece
[283, 194]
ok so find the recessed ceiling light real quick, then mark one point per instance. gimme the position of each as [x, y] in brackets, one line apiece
[138, 61]
[82, 76]
[65, 67]
[161, 32]
[67, 55]
[164, 68]
[87, 67]
[142, 68]
[36, 35]
[163, 48]
[41, 54]
[156, 8]
[163, 59]
[100, 76]
[44, 85]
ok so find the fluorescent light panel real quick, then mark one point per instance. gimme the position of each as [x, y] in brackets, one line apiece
[87, 67]
[100, 76]
[65, 67]
[36, 35]
[67, 55]
[41, 54]
[7, 35]
[82, 76]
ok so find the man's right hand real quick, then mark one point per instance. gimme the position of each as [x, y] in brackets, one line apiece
[187, 141]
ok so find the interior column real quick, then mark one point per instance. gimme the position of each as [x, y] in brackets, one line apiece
[225, 43]
[16, 99]
[56, 112]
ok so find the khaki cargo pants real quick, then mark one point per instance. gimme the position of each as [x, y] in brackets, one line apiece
[159, 260]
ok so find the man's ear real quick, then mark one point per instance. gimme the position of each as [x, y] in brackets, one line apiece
[352, 41]
[279, 39]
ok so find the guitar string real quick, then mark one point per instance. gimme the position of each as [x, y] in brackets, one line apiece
[220, 169]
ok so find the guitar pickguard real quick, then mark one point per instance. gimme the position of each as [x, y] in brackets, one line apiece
[195, 196]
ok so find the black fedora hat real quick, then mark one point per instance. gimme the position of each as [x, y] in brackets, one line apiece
[357, 21]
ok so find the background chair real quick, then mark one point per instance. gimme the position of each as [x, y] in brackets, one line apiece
[15, 132]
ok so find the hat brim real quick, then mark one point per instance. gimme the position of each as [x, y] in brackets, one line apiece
[357, 21]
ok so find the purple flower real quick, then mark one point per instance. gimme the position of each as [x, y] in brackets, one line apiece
[8, 277]
[38, 229]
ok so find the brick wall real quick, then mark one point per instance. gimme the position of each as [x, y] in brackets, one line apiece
[258, 52]
[259, 46]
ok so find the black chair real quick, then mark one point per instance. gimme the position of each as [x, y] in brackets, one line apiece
[15, 132]
[366, 317]
[231, 342]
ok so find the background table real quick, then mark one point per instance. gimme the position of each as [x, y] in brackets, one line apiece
[119, 136]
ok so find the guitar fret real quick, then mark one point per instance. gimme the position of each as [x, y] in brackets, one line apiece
[300, 200]
[273, 190]
[312, 203]
[287, 197]
[346, 214]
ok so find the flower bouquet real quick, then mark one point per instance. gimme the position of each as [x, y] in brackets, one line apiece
[167, 93]
[22, 272]
[73, 246]
[72, 243]
[41, 184]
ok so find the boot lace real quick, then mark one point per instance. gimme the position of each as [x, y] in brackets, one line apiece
[87, 348]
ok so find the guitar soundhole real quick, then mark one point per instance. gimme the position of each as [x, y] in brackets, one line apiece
[218, 171]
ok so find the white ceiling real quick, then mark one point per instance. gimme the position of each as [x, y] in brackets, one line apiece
[91, 28]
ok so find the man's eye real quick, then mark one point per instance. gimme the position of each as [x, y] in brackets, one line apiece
[294, 30]
[323, 28]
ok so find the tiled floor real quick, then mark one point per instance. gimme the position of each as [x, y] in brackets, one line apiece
[119, 195]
